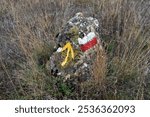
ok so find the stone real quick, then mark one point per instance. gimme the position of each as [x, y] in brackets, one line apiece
[82, 33]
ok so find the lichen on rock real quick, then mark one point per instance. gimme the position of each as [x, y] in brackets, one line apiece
[80, 38]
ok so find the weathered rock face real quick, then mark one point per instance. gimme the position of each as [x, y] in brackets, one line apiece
[76, 50]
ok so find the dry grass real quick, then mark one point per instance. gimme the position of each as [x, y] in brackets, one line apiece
[27, 33]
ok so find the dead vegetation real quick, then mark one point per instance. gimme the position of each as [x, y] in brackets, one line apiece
[27, 36]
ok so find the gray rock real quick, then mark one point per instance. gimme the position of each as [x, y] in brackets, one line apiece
[78, 27]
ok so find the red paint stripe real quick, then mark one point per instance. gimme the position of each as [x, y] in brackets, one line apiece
[89, 44]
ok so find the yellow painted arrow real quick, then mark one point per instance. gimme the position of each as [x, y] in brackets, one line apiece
[69, 49]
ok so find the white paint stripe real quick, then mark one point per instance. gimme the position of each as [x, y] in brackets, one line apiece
[87, 38]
